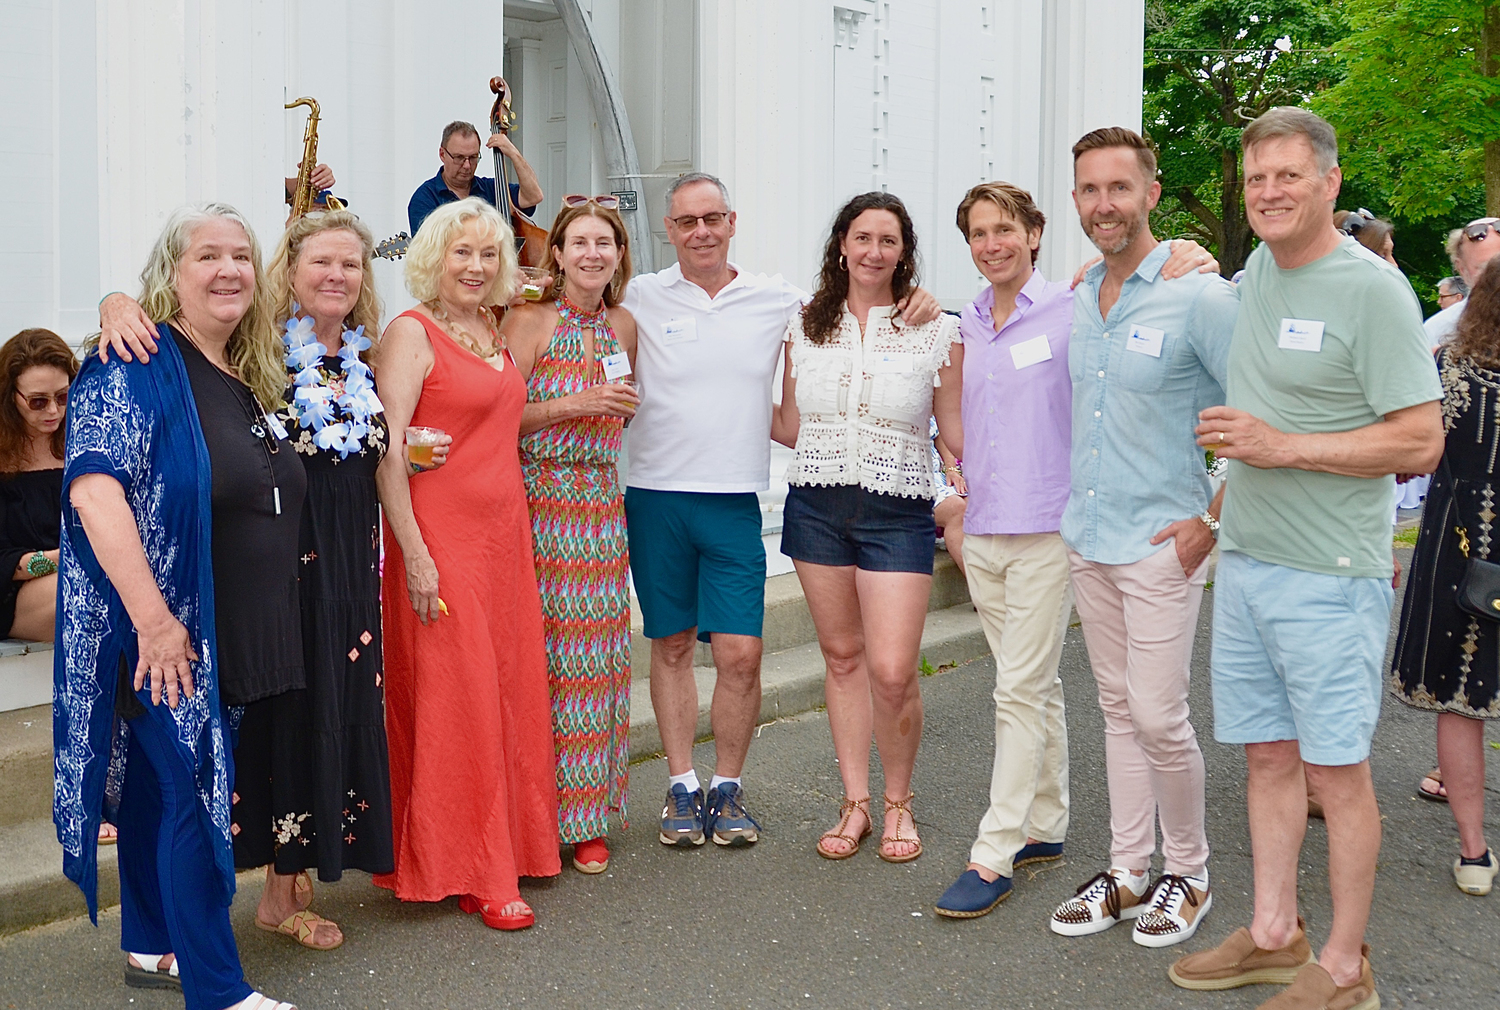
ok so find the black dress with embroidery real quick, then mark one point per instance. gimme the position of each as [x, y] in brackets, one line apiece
[1447, 660]
[331, 738]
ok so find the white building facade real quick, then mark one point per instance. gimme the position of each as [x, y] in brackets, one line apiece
[117, 111]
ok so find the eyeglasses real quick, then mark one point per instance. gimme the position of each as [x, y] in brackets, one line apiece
[690, 221]
[605, 202]
[1475, 231]
[462, 159]
[41, 401]
[1355, 220]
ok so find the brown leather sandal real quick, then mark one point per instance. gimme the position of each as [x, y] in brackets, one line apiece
[841, 829]
[905, 807]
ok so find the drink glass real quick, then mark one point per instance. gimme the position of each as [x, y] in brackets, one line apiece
[419, 443]
[534, 283]
[635, 386]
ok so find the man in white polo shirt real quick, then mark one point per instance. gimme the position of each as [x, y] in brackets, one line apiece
[710, 338]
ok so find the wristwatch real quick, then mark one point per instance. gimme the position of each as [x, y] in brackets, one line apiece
[39, 564]
[1207, 518]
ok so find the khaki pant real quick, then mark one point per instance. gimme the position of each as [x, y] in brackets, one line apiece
[1019, 585]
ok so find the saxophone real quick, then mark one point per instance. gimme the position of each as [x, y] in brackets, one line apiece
[304, 196]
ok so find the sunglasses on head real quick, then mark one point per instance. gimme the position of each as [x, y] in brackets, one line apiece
[1355, 220]
[1475, 231]
[40, 401]
[605, 202]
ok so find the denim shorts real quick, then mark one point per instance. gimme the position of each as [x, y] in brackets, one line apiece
[1298, 655]
[845, 525]
[698, 562]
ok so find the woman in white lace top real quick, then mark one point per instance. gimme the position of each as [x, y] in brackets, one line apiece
[859, 388]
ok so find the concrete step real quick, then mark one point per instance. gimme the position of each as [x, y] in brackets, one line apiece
[25, 674]
[791, 680]
[33, 890]
[788, 623]
[25, 766]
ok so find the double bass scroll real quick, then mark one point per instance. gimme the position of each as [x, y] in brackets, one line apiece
[531, 238]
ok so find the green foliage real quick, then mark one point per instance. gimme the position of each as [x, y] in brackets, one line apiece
[1211, 67]
[1405, 538]
[1415, 109]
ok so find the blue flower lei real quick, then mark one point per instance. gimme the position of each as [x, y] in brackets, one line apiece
[313, 403]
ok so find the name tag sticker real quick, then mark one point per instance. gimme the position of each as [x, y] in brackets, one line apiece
[890, 362]
[616, 366]
[1144, 340]
[277, 428]
[1026, 353]
[1301, 335]
[680, 331]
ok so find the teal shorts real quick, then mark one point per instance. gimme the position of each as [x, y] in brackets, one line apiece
[698, 562]
[1298, 656]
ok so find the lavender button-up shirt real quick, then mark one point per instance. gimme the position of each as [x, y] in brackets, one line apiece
[1017, 410]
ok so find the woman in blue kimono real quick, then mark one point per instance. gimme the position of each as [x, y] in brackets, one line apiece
[157, 458]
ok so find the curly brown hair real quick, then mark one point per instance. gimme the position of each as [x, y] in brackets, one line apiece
[1478, 334]
[823, 313]
[28, 349]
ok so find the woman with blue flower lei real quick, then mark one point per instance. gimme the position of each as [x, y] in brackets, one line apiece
[312, 778]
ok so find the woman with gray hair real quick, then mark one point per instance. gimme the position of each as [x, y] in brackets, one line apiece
[178, 572]
[473, 791]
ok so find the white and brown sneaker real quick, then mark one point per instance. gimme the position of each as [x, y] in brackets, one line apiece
[1100, 902]
[1173, 911]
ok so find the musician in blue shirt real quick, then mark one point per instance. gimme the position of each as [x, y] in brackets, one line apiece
[460, 153]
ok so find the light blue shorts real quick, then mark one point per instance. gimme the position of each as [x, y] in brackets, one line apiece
[1298, 656]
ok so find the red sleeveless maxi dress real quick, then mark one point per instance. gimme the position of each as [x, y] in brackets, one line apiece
[468, 713]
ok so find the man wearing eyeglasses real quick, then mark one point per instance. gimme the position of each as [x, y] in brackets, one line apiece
[709, 341]
[459, 152]
[1477, 243]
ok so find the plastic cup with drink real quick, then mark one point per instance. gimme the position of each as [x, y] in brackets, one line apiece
[534, 283]
[419, 444]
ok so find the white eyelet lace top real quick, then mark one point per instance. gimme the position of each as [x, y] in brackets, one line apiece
[865, 404]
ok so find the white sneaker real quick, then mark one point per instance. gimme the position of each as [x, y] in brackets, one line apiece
[1100, 903]
[1172, 912]
[1473, 879]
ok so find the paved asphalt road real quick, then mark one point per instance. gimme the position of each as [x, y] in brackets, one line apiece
[775, 926]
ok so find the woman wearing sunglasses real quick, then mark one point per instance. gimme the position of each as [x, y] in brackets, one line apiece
[36, 368]
[577, 351]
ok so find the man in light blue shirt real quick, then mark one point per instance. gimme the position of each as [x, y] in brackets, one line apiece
[1145, 357]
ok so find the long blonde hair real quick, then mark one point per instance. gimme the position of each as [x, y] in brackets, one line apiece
[366, 310]
[254, 350]
[424, 257]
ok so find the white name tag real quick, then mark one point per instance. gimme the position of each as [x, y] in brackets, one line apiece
[890, 362]
[1301, 335]
[277, 428]
[616, 366]
[680, 331]
[1144, 340]
[1026, 353]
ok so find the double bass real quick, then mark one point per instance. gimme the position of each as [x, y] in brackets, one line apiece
[531, 238]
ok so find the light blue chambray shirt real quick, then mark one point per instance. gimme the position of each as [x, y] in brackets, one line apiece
[1140, 378]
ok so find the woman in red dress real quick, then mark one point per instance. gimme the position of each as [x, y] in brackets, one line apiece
[473, 788]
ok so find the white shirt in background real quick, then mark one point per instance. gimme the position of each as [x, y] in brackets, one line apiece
[705, 368]
[1440, 326]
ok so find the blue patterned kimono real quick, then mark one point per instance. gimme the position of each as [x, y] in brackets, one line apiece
[138, 424]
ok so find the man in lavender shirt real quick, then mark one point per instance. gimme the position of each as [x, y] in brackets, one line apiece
[1017, 408]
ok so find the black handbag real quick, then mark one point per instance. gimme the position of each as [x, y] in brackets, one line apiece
[1479, 590]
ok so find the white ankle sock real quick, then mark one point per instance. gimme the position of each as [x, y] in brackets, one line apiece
[1135, 881]
[719, 780]
[1199, 881]
[688, 780]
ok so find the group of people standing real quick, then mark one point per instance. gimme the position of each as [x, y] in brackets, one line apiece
[447, 717]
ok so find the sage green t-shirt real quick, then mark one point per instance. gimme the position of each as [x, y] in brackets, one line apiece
[1331, 346]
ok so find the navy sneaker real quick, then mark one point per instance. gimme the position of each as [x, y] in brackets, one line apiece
[682, 818]
[727, 819]
[970, 896]
[1039, 852]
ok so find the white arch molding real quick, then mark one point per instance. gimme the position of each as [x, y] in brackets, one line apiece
[622, 164]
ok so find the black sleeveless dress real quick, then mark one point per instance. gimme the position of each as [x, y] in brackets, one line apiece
[30, 521]
[1447, 660]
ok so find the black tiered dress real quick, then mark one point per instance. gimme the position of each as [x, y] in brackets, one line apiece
[331, 738]
[1447, 660]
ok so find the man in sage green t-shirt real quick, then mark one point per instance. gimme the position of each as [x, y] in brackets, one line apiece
[1330, 392]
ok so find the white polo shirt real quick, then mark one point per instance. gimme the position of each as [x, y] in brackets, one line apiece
[705, 368]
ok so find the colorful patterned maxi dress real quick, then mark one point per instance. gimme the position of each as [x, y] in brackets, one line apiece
[578, 526]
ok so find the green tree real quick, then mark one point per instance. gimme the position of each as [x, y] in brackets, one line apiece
[1418, 112]
[1212, 66]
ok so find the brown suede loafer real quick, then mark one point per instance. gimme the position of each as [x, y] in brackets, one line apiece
[1238, 961]
[1314, 989]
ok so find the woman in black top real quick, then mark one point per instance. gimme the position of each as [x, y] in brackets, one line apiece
[35, 370]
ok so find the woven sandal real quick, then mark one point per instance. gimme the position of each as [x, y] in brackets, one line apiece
[302, 927]
[841, 829]
[905, 807]
[302, 892]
